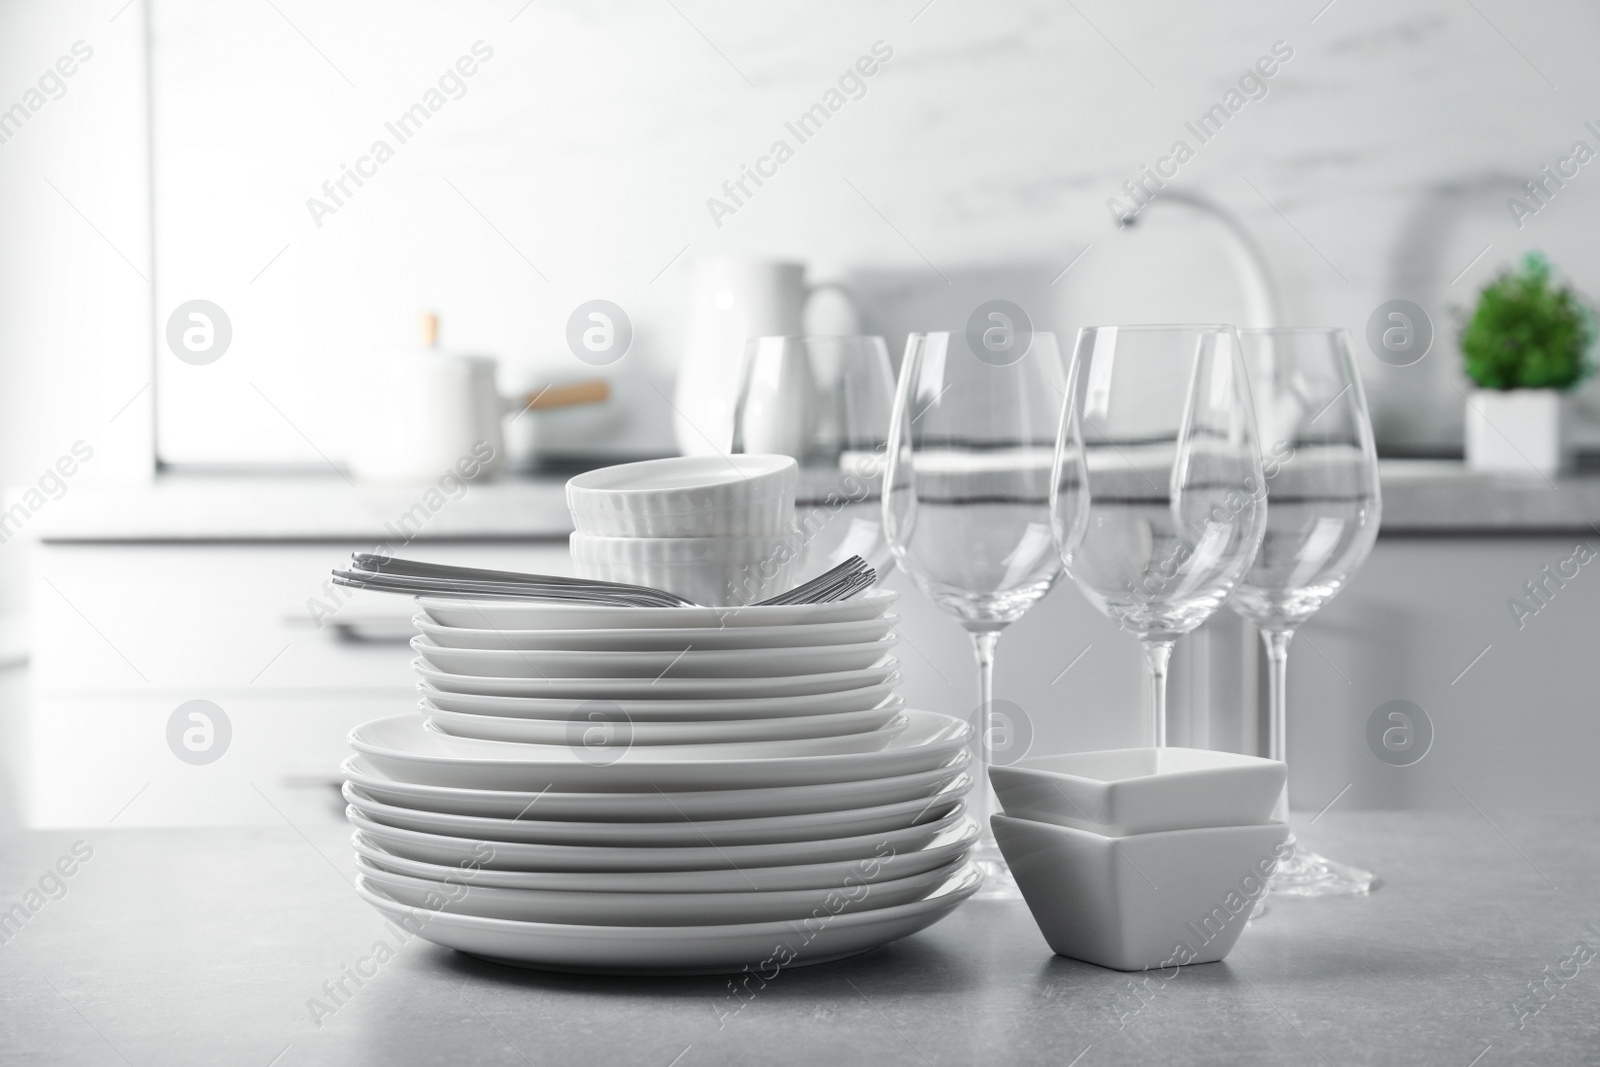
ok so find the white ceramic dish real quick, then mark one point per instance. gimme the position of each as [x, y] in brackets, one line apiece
[1125, 791]
[948, 847]
[668, 950]
[731, 663]
[563, 709]
[608, 740]
[652, 805]
[525, 856]
[537, 615]
[1145, 901]
[669, 688]
[686, 496]
[463, 896]
[660, 639]
[769, 829]
[716, 731]
[404, 747]
[713, 571]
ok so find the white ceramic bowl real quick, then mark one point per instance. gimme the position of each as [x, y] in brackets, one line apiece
[713, 571]
[1147, 901]
[1141, 790]
[686, 496]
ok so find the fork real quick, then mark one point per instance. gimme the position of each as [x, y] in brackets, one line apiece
[389, 575]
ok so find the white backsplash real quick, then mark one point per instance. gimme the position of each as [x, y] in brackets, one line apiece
[580, 159]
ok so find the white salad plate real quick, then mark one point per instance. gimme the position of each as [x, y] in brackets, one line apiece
[526, 856]
[678, 949]
[660, 639]
[717, 731]
[561, 709]
[551, 615]
[608, 739]
[464, 896]
[951, 845]
[652, 805]
[670, 688]
[768, 829]
[729, 663]
[405, 747]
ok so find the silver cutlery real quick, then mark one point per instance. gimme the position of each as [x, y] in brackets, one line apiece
[414, 578]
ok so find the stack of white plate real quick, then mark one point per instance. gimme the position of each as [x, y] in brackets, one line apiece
[661, 790]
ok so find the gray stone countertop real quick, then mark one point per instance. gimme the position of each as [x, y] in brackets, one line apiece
[204, 946]
[1421, 498]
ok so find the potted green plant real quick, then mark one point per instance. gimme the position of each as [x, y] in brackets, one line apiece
[1528, 342]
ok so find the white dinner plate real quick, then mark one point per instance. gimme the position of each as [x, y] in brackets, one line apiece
[730, 663]
[526, 856]
[651, 805]
[553, 615]
[670, 688]
[463, 896]
[661, 638]
[717, 731]
[561, 709]
[760, 947]
[947, 847]
[767, 829]
[405, 747]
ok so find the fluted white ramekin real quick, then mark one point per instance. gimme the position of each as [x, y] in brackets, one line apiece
[743, 495]
[714, 571]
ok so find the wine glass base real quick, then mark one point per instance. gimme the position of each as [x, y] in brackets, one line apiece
[998, 884]
[1304, 873]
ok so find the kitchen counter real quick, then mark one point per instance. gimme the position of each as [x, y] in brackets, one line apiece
[204, 947]
[1421, 498]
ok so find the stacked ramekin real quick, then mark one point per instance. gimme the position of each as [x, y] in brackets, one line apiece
[716, 530]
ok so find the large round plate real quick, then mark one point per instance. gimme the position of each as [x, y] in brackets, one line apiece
[566, 708]
[651, 805]
[767, 829]
[463, 896]
[665, 688]
[951, 845]
[760, 947]
[660, 639]
[684, 663]
[404, 747]
[552, 615]
[525, 856]
[715, 732]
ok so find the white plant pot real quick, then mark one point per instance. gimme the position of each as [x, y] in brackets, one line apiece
[1520, 430]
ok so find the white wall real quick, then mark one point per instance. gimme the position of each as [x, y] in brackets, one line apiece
[1374, 168]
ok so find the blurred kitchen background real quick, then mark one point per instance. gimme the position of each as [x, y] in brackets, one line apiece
[575, 163]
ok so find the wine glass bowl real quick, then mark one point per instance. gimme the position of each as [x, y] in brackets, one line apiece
[1157, 497]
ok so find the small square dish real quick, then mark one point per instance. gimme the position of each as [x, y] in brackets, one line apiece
[1125, 791]
[1149, 901]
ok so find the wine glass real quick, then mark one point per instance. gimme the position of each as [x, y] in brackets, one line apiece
[967, 506]
[825, 401]
[1157, 493]
[1321, 471]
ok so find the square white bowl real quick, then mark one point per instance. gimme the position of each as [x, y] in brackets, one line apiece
[1148, 901]
[1122, 791]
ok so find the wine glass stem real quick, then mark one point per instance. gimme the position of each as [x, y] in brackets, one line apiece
[983, 802]
[1157, 654]
[1277, 646]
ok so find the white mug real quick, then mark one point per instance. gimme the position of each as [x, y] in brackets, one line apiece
[731, 299]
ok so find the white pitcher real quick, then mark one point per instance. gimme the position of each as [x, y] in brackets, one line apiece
[731, 299]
